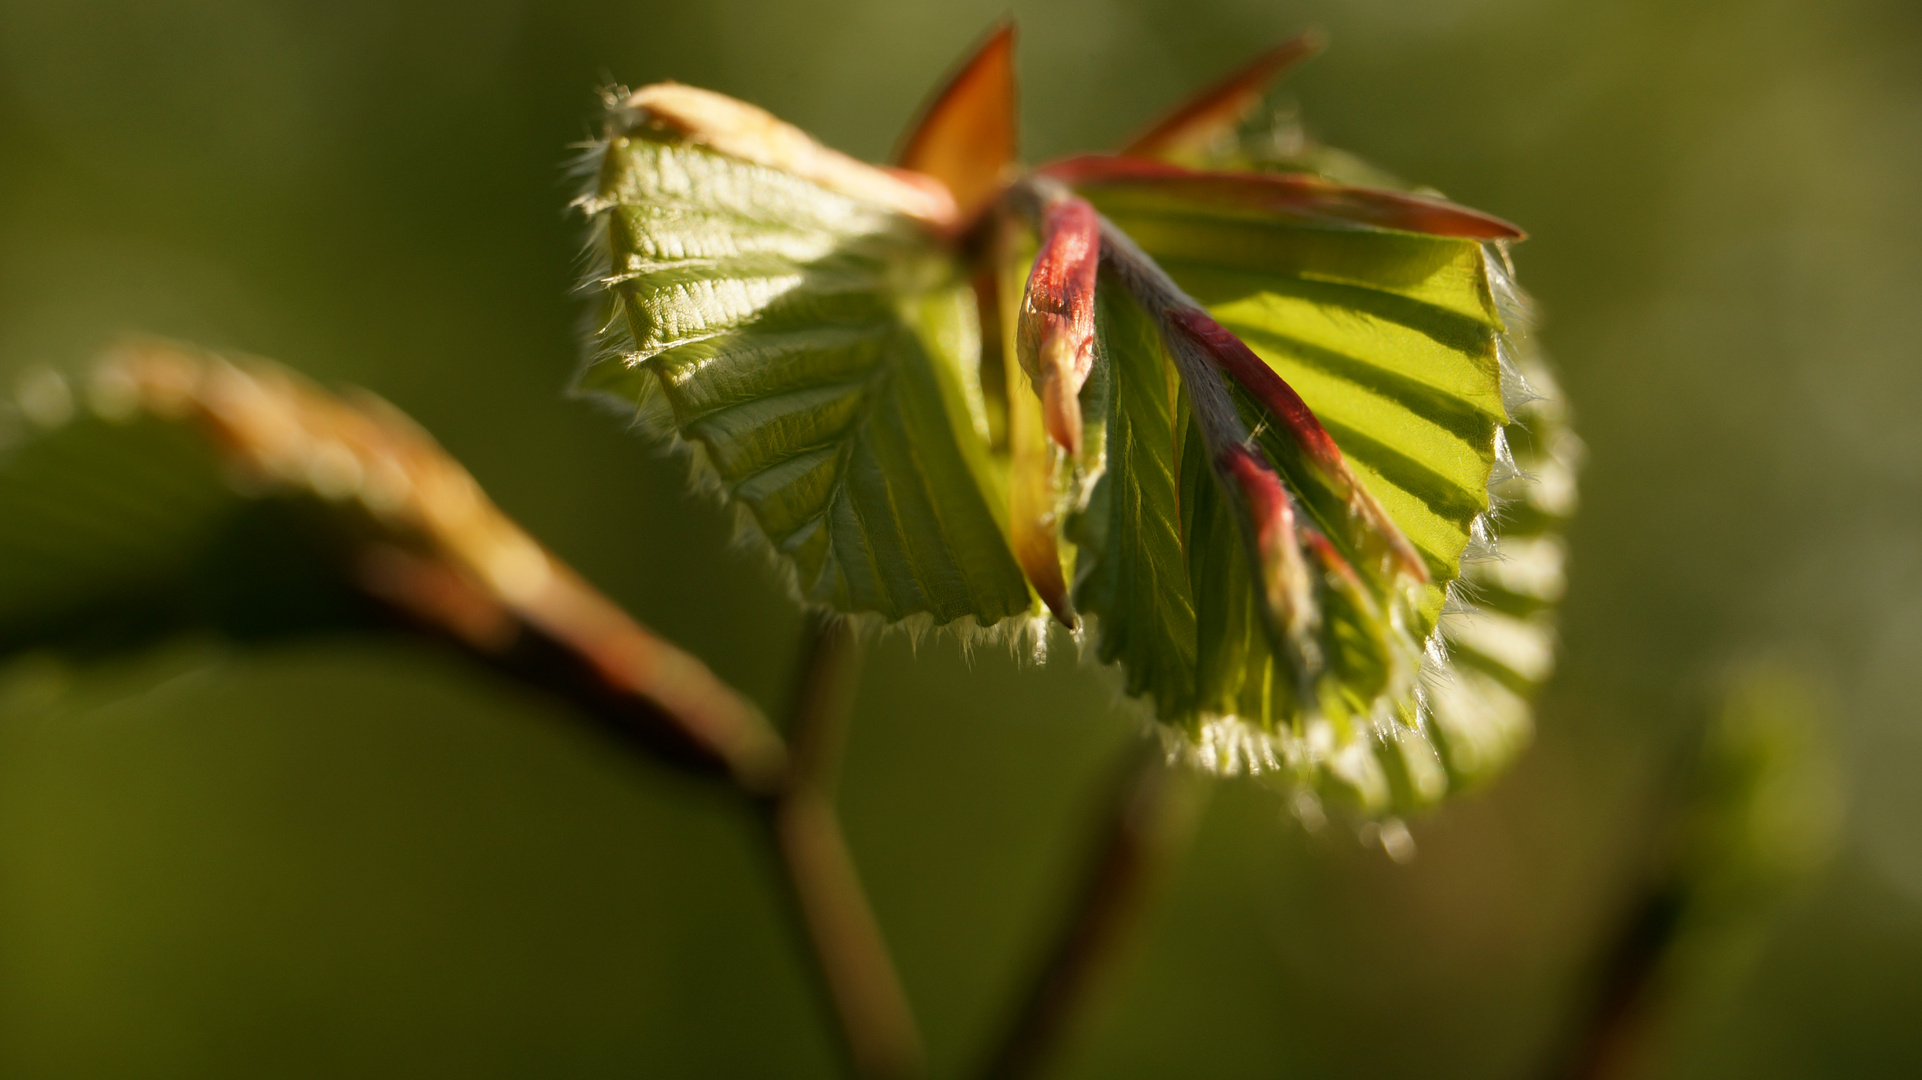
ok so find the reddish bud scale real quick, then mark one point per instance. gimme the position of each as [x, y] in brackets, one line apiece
[1284, 577]
[966, 136]
[1287, 407]
[1342, 580]
[1303, 196]
[1331, 560]
[1055, 337]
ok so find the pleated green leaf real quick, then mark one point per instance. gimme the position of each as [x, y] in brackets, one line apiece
[819, 350]
[1413, 352]
[1390, 337]
[1134, 574]
[810, 334]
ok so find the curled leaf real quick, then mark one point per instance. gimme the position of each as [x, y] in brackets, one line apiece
[755, 135]
[193, 492]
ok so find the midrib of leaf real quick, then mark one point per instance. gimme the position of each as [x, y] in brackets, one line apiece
[1136, 577]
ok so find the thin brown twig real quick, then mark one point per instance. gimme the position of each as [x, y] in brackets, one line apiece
[877, 1023]
[1151, 816]
[1610, 1024]
[433, 555]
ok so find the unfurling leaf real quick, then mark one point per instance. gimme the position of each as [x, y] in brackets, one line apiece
[1282, 434]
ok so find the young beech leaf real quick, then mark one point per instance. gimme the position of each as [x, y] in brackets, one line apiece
[819, 347]
[1283, 436]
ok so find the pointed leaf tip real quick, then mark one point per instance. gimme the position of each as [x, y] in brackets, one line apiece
[967, 134]
[1195, 124]
[1055, 338]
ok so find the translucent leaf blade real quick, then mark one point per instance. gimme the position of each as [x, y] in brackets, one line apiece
[819, 347]
[1407, 347]
[967, 136]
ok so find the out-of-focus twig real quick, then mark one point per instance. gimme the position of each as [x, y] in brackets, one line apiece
[1610, 1024]
[1748, 811]
[876, 1021]
[416, 534]
[410, 532]
[1150, 819]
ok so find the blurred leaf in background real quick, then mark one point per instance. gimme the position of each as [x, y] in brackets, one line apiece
[335, 858]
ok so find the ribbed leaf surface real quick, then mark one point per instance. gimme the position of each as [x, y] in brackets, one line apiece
[1390, 337]
[1135, 573]
[812, 335]
[1409, 349]
[821, 352]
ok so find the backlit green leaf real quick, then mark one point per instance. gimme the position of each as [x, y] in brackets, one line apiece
[820, 350]
[808, 328]
[1410, 349]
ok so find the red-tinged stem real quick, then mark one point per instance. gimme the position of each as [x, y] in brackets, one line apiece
[1255, 376]
[1302, 196]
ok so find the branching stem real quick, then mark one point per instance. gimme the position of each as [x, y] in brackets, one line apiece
[877, 1023]
[655, 699]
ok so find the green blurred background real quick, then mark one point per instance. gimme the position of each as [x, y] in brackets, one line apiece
[345, 859]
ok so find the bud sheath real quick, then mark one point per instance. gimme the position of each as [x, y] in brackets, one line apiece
[1055, 338]
[1286, 589]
